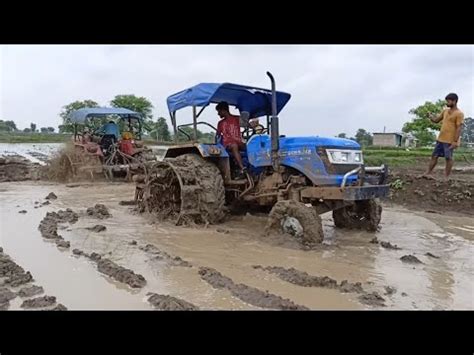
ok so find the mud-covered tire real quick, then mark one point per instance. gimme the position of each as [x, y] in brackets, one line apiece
[212, 196]
[364, 214]
[185, 189]
[307, 217]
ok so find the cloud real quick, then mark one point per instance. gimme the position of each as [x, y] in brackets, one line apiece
[334, 88]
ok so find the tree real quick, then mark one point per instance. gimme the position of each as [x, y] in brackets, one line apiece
[7, 126]
[138, 104]
[50, 129]
[342, 135]
[161, 131]
[204, 137]
[27, 130]
[363, 137]
[43, 130]
[33, 127]
[67, 126]
[420, 125]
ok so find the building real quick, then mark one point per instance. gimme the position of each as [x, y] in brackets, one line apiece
[387, 139]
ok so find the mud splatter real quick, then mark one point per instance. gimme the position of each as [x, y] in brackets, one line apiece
[39, 302]
[30, 291]
[169, 303]
[99, 211]
[246, 293]
[411, 259]
[159, 255]
[97, 228]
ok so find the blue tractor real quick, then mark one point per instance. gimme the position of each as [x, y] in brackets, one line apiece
[295, 178]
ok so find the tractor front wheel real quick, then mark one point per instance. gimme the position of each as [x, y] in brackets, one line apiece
[297, 219]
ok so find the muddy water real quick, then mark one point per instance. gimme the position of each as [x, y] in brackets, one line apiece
[444, 283]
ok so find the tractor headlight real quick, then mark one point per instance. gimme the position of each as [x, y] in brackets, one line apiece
[344, 156]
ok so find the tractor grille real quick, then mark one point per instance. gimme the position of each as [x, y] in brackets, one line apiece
[334, 169]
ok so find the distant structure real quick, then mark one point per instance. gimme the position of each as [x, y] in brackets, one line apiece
[387, 139]
[410, 141]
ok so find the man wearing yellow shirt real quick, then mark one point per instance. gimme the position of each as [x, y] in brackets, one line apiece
[449, 135]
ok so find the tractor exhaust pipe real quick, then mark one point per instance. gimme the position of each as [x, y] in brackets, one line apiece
[275, 135]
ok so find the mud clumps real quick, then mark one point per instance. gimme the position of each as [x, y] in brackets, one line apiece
[99, 211]
[411, 259]
[302, 278]
[169, 303]
[51, 196]
[133, 242]
[374, 240]
[77, 252]
[163, 256]
[59, 307]
[22, 211]
[6, 295]
[432, 255]
[49, 225]
[17, 168]
[39, 302]
[246, 293]
[121, 274]
[221, 230]
[372, 299]
[97, 228]
[15, 275]
[388, 245]
[390, 290]
[30, 291]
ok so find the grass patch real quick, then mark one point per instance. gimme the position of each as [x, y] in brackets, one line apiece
[20, 137]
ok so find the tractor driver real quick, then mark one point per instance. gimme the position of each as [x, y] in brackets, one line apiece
[110, 133]
[229, 129]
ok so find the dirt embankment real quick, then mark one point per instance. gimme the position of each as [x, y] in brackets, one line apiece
[432, 194]
[17, 168]
[169, 303]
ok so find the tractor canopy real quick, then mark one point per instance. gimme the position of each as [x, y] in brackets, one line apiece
[255, 101]
[82, 115]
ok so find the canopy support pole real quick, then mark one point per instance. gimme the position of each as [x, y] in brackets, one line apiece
[194, 124]
[175, 130]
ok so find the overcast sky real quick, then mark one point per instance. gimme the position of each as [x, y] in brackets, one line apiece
[334, 88]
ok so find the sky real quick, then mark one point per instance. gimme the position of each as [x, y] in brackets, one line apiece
[334, 88]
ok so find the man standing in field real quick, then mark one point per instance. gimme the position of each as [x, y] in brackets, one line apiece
[449, 134]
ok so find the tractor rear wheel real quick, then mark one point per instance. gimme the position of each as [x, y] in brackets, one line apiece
[184, 189]
[297, 219]
[364, 214]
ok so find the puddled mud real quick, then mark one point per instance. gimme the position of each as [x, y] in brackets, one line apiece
[169, 303]
[160, 255]
[97, 228]
[39, 302]
[99, 211]
[246, 293]
[6, 295]
[411, 259]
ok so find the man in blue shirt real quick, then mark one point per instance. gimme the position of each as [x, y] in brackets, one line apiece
[111, 135]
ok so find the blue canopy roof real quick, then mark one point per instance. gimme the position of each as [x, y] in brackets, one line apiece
[81, 115]
[256, 101]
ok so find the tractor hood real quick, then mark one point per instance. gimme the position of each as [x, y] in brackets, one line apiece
[315, 141]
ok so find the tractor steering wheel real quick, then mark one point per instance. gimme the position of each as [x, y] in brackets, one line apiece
[254, 130]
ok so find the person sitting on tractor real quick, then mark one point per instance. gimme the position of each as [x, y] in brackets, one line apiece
[228, 129]
[110, 133]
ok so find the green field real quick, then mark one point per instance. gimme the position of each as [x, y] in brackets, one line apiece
[398, 157]
[21, 137]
